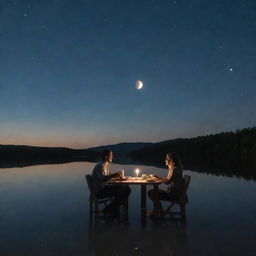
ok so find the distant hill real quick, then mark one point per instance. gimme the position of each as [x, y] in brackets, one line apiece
[19, 155]
[229, 152]
[122, 148]
[226, 153]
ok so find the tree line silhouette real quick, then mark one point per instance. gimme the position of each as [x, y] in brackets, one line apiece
[15, 155]
[226, 153]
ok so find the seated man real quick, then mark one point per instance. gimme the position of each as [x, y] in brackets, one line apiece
[101, 175]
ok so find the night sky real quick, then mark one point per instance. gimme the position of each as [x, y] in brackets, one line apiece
[68, 70]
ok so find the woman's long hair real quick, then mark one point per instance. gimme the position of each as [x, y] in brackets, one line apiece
[176, 160]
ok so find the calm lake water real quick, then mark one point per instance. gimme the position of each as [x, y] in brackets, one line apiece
[44, 211]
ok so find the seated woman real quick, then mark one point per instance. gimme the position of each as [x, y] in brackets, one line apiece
[174, 179]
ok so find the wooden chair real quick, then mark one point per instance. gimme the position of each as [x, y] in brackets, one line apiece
[182, 201]
[93, 198]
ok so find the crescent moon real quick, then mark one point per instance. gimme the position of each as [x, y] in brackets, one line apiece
[139, 85]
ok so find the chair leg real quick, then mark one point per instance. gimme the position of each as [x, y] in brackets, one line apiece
[172, 204]
[126, 204]
[126, 209]
[90, 202]
[183, 210]
[96, 208]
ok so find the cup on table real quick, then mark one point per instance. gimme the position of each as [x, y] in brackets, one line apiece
[122, 174]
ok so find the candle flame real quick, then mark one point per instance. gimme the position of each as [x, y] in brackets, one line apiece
[137, 171]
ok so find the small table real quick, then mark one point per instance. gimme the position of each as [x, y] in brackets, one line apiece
[143, 183]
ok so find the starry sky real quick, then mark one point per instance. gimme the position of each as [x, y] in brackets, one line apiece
[68, 70]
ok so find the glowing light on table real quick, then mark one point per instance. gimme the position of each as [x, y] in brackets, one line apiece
[137, 171]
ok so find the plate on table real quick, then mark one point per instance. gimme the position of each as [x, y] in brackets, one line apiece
[119, 178]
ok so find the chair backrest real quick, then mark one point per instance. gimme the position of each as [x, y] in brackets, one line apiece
[89, 182]
[186, 181]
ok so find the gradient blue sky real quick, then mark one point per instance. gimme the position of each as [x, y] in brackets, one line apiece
[68, 70]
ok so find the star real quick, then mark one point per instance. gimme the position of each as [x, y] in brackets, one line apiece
[230, 69]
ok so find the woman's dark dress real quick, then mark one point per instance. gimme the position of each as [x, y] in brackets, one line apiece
[174, 188]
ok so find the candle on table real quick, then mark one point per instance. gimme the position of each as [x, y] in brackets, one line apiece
[137, 172]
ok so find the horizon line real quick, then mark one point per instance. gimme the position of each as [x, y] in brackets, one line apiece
[231, 131]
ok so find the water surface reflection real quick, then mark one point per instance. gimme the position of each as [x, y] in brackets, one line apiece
[44, 211]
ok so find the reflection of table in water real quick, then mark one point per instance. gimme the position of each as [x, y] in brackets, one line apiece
[143, 183]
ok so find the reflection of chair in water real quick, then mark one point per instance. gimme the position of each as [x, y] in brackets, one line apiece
[182, 201]
[93, 197]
